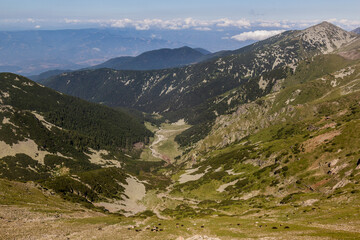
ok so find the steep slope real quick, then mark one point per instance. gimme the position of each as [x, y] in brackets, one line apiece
[156, 59]
[81, 150]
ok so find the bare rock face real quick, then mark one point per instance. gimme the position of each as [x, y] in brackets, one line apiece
[325, 37]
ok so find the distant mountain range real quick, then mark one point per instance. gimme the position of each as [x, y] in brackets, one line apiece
[151, 60]
[33, 52]
[156, 59]
[357, 30]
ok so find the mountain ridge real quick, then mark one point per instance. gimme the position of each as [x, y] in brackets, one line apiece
[174, 92]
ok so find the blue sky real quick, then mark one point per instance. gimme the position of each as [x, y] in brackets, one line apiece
[28, 14]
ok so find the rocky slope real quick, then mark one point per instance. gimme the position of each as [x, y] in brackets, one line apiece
[295, 145]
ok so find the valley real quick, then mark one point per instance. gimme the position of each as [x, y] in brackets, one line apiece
[259, 144]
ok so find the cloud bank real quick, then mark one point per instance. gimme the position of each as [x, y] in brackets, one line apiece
[256, 35]
[191, 23]
[178, 24]
[183, 23]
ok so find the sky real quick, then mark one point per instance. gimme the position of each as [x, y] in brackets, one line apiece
[175, 14]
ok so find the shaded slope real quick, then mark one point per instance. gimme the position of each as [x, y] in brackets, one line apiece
[71, 113]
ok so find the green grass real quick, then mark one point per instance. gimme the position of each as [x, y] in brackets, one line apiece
[150, 127]
[27, 195]
[146, 155]
[167, 147]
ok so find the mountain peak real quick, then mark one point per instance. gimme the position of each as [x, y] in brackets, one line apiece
[326, 37]
[327, 24]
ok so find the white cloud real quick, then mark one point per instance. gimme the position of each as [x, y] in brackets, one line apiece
[37, 26]
[187, 23]
[203, 28]
[178, 24]
[66, 20]
[256, 35]
[285, 24]
[225, 22]
[31, 20]
[273, 24]
[345, 23]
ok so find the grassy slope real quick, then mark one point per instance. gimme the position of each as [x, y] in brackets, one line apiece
[23, 213]
[289, 176]
[313, 129]
[301, 165]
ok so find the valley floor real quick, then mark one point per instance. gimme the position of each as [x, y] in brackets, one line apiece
[163, 146]
[25, 223]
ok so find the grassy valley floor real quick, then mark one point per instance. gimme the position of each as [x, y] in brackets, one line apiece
[60, 220]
